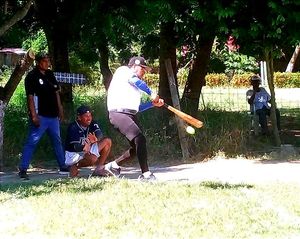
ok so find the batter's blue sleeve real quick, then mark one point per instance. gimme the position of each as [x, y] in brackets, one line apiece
[140, 84]
[145, 106]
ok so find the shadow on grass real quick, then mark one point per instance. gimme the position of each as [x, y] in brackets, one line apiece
[39, 188]
[279, 161]
[219, 185]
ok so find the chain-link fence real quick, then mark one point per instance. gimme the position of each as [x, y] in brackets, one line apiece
[234, 99]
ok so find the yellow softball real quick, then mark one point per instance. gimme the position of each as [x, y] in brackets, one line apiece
[190, 130]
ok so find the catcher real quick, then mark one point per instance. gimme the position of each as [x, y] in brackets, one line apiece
[86, 146]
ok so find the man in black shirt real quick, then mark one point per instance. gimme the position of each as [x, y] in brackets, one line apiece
[85, 146]
[45, 111]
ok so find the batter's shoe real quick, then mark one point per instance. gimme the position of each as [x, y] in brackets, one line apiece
[151, 177]
[23, 175]
[113, 170]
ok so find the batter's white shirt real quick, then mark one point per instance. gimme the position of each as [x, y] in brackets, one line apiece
[121, 94]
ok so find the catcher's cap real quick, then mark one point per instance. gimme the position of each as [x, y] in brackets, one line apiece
[138, 61]
[83, 109]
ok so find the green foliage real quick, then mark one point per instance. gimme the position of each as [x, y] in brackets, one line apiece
[91, 71]
[226, 136]
[19, 98]
[36, 41]
[15, 126]
[182, 76]
[232, 61]
[152, 79]
[239, 63]
[268, 25]
[5, 73]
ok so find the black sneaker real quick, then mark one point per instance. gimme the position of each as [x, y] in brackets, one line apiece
[151, 177]
[23, 175]
[64, 171]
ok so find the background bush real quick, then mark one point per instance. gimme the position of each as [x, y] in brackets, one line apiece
[287, 80]
[281, 80]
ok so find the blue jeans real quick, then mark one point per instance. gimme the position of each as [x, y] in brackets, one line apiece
[51, 126]
[262, 117]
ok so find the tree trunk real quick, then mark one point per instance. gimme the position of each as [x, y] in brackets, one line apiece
[57, 19]
[167, 51]
[293, 60]
[9, 89]
[103, 60]
[16, 76]
[58, 50]
[270, 77]
[196, 76]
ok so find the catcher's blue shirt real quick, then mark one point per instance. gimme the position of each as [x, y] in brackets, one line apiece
[76, 135]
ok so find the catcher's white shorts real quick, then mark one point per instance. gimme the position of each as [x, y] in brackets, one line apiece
[75, 157]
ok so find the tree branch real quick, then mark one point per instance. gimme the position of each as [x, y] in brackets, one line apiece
[16, 76]
[20, 14]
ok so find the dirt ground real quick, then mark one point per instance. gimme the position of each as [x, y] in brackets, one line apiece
[218, 169]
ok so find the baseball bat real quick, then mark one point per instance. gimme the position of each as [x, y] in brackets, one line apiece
[189, 119]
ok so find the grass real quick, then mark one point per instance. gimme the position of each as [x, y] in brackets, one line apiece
[109, 208]
[98, 208]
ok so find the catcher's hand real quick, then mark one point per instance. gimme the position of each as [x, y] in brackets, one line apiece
[92, 138]
[87, 147]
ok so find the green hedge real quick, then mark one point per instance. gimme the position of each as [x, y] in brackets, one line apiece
[281, 80]
[287, 80]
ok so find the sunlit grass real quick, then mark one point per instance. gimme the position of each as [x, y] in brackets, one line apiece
[98, 208]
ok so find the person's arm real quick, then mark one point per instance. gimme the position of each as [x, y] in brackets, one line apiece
[268, 97]
[251, 99]
[140, 84]
[250, 96]
[96, 133]
[145, 106]
[30, 92]
[60, 107]
[83, 147]
[150, 104]
[31, 107]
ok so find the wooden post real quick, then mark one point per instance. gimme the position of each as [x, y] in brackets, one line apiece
[183, 137]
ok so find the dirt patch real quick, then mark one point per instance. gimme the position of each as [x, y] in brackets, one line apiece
[219, 169]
